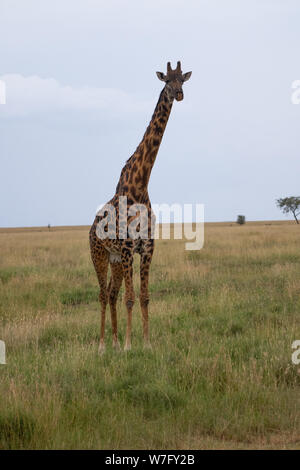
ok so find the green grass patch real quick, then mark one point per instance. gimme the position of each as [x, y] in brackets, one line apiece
[79, 296]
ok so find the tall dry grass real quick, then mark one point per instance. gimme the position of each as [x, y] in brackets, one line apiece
[222, 323]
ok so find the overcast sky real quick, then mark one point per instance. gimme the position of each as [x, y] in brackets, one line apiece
[81, 88]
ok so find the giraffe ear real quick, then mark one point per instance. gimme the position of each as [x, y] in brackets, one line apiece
[161, 76]
[186, 76]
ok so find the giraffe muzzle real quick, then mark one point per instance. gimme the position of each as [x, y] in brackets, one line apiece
[179, 96]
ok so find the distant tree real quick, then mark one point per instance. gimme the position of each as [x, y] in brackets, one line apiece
[289, 204]
[49, 227]
[241, 219]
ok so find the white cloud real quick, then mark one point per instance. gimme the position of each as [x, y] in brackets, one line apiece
[31, 95]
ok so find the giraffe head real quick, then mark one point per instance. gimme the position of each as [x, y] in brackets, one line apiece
[174, 80]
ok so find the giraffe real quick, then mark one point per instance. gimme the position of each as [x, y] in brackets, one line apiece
[118, 251]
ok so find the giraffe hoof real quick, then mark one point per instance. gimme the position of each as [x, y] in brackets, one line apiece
[101, 348]
[117, 346]
[148, 346]
[127, 347]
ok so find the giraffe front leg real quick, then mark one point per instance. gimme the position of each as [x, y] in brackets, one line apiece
[115, 284]
[100, 260]
[146, 258]
[127, 260]
[103, 301]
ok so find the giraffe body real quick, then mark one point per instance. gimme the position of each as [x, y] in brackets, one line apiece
[118, 251]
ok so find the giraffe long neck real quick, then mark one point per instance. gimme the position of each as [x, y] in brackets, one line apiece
[135, 175]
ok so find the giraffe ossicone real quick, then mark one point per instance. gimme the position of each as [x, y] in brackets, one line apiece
[118, 250]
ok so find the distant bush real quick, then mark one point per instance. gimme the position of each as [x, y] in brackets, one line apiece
[241, 219]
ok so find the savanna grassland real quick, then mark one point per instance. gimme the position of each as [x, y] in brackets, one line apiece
[222, 323]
